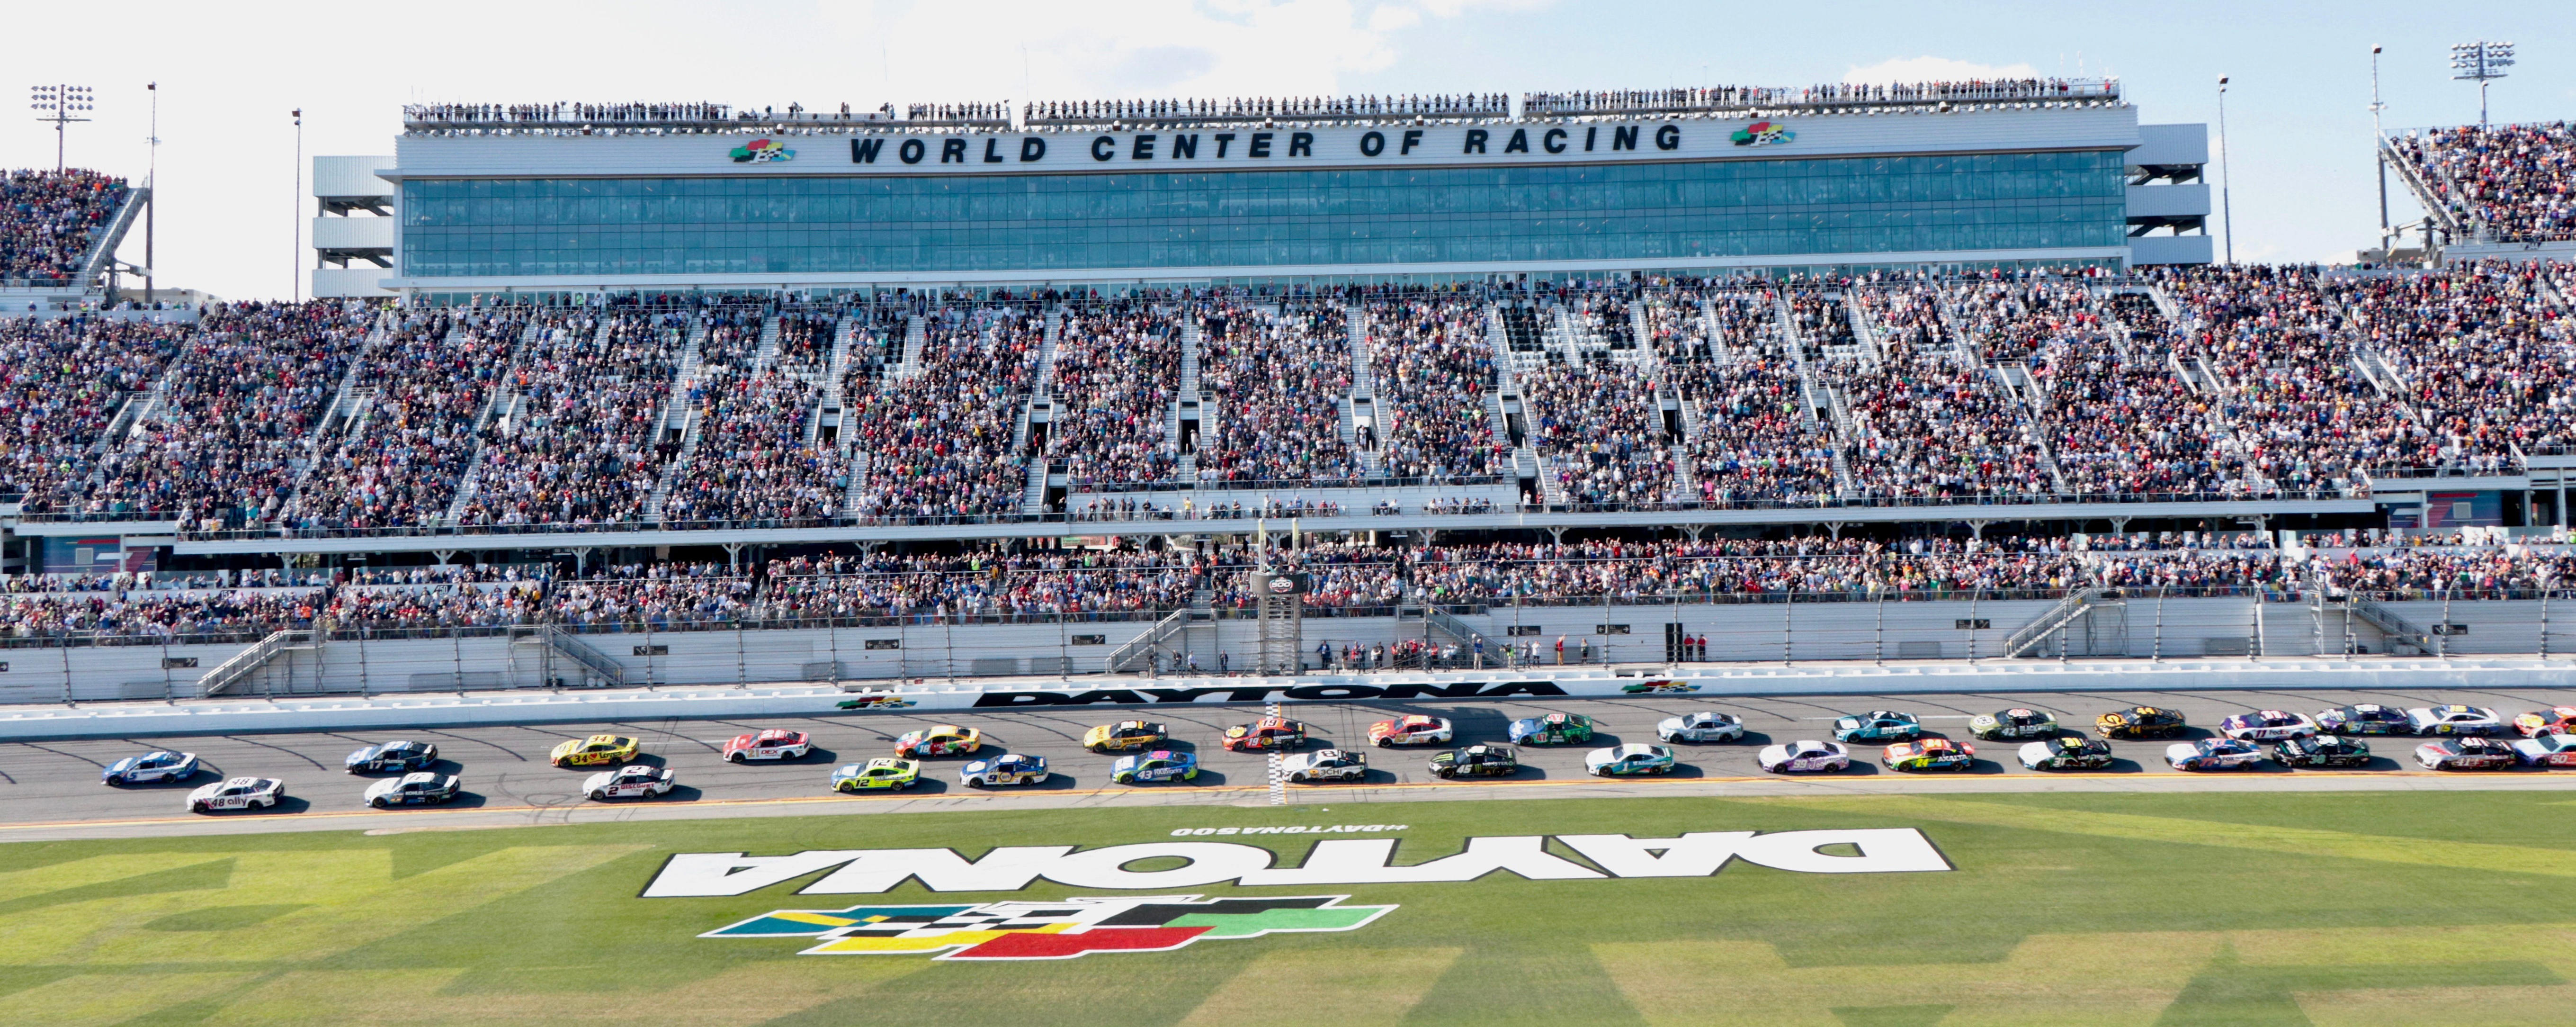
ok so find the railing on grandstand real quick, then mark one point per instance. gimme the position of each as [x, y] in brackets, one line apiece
[1737, 99]
[1237, 110]
[2277, 593]
[467, 118]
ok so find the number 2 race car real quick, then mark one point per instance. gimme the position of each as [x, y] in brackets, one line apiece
[632, 781]
[2466, 721]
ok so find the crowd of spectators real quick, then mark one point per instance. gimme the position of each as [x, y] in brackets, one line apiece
[233, 423]
[1116, 368]
[1925, 422]
[2515, 183]
[582, 441]
[752, 460]
[1751, 440]
[1432, 365]
[936, 440]
[1280, 375]
[400, 464]
[50, 220]
[2483, 357]
[61, 382]
[1599, 427]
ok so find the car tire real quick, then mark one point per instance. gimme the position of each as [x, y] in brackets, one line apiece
[599, 796]
[736, 758]
[1384, 743]
[379, 802]
[196, 807]
[974, 782]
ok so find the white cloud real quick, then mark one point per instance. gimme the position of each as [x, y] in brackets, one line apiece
[1933, 69]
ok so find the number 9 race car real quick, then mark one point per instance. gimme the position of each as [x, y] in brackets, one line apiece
[2472, 721]
[1009, 768]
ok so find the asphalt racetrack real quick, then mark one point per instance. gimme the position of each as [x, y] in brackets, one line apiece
[51, 790]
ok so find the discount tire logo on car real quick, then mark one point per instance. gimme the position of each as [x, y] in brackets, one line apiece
[1049, 930]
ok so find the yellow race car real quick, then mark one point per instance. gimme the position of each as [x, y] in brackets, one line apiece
[594, 751]
[1126, 734]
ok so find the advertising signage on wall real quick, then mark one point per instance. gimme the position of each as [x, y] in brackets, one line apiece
[1251, 144]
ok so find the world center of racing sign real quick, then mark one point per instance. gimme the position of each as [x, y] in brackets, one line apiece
[1081, 925]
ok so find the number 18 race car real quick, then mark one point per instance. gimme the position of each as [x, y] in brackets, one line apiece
[2468, 721]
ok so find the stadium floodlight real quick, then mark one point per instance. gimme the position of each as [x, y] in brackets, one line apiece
[2481, 62]
[58, 103]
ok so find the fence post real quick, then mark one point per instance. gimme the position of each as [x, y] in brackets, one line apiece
[2443, 631]
[2544, 619]
[741, 662]
[1973, 596]
[1878, 635]
[1789, 628]
[66, 640]
[168, 685]
[2156, 650]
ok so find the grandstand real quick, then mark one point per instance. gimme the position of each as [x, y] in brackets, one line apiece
[2491, 190]
[58, 236]
[904, 465]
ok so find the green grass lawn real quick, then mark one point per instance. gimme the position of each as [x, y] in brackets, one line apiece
[2318, 908]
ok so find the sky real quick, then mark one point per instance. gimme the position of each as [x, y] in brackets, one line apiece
[2303, 186]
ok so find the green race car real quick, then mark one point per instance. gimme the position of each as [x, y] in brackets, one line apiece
[881, 774]
[1553, 729]
[2018, 722]
[2067, 752]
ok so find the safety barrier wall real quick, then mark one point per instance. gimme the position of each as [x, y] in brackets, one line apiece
[1797, 632]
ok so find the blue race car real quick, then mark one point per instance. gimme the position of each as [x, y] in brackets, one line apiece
[1553, 729]
[1010, 768]
[1158, 765]
[1878, 726]
[2214, 754]
[2364, 719]
[159, 766]
[403, 757]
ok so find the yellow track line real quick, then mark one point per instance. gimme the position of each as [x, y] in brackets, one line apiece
[1191, 789]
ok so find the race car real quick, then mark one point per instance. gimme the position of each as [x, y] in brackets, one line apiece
[938, 740]
[1009, 768]
[1877, 726]
[632, 781]
[2067, 752]
[1266, 734]
[1126, 734]
[1930, 754]
[2364, 719]
[2471, 721]
[2320, 751]
[159, 766]
[2139, 722]
[2214, 754]
[2471, 753]
[1476, 761]
[2267, 726]
[1413, 729]
[1157, 765]
[1702, 726]
[1659, 686]
[595, 750]
[237, 793]
[2551, 750]
[1630, 760]
[1553, 729]
[1325, 765]
[1804, 757]
[878, 774]
[419, 788]
[398, 756]
[773, 744]
[2014, 723]
[2555, 720]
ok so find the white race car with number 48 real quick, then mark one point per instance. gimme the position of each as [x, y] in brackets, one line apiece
[237, 793]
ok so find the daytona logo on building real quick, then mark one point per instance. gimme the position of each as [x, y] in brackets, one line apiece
[1049, 930]
[1339, 861]
[761, 151]
[1762, 133]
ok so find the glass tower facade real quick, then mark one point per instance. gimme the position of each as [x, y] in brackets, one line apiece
[1642, 212]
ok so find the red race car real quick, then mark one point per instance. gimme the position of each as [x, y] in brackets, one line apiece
[1267, 734]
[2556, 720]
[773, 744]
[1416, 729]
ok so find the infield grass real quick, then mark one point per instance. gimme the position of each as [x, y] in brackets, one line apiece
[2301, 908]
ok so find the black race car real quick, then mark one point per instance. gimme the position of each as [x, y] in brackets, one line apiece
[2067, 752]
[2321, 751]
[403, 757]
[2139, 722]
[2364, 719]
[1476, 761]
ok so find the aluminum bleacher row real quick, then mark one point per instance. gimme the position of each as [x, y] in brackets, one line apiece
[2218, 392]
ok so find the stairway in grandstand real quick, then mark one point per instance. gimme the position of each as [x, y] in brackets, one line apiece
[1362, 401]
[685, 412]
[1190, 399]
[1041, 400]
[831, 407]
[499, 404]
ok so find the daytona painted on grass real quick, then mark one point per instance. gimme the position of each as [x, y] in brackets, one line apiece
[2341, 908]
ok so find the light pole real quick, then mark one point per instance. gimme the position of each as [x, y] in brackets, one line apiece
[2226, 174]
[2379, 148]
[2481, 62]
[152, 182]
[295, 266]
[55, 103]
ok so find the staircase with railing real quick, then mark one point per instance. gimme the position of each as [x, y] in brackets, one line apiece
[2057, 618]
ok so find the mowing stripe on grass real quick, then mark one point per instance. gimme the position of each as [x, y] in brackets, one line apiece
[84, 1000]
[2048, 978]
[1345, 987]
[2511, 859]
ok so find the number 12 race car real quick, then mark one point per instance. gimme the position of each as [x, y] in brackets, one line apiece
[878, 774]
